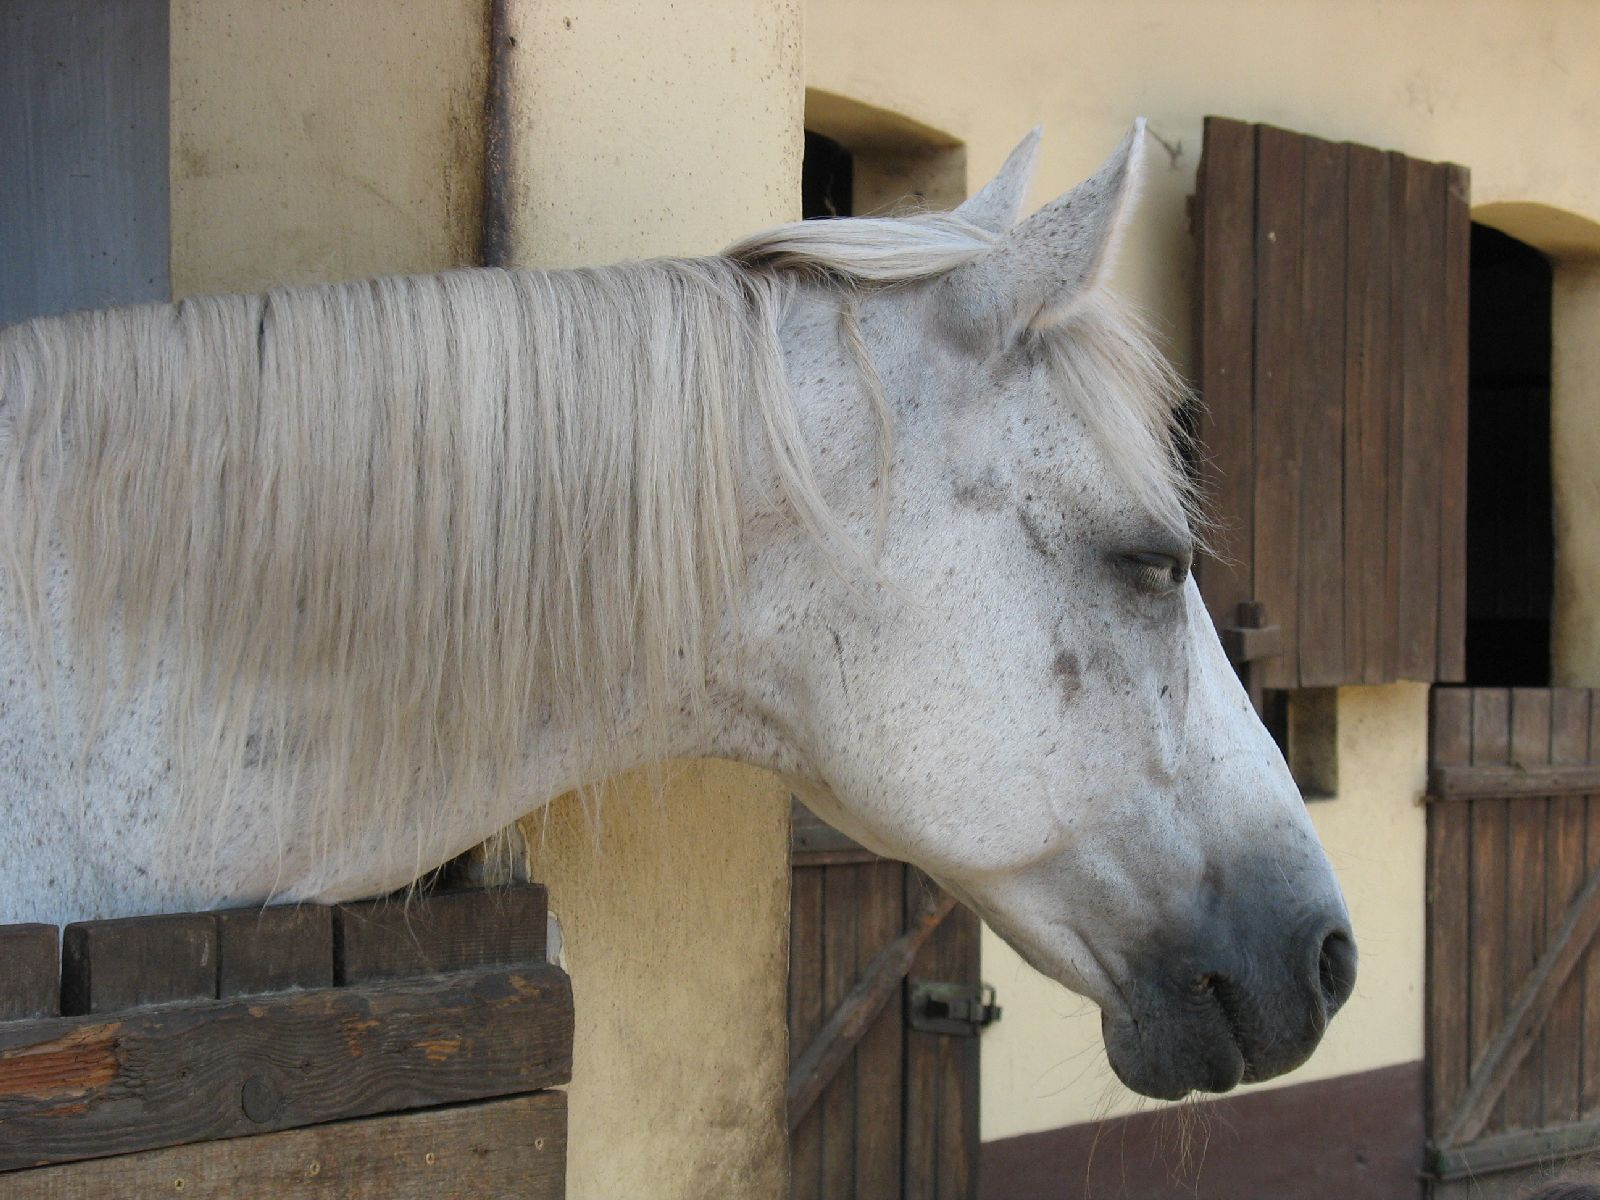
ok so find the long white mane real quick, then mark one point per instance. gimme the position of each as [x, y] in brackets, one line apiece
[371, 534]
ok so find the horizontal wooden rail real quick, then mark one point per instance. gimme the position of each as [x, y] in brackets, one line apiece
[1467, 782]
[485, 1151]
[93, 1086]
[1508, 1151]
[848, 1024]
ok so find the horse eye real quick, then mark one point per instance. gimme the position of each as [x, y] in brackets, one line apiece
[1156, 572]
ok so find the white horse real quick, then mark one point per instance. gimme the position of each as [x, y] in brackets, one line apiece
[306, 593]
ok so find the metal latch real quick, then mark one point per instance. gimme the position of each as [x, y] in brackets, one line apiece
[957, 1009]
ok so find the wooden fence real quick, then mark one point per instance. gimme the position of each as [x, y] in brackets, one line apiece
[380, 1049]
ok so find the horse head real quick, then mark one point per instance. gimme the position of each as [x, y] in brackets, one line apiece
[1029, 700]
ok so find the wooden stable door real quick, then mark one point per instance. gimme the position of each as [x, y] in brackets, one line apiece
[1513, 1028]
[884, 1012]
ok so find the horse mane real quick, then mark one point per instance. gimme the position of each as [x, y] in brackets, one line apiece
[372, 533]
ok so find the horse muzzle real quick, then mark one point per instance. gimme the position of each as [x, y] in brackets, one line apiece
[1236, 1007]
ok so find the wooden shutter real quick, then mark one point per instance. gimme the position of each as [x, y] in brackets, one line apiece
[1332, 332]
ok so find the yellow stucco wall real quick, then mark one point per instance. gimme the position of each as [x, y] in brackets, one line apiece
[641, 128]
[1508, 89]
[1575, 463]
[326, 141]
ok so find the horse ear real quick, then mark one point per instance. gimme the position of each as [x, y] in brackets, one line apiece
[998, 204]
[1047, 265]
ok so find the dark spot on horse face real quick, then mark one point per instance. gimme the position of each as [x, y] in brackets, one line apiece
[1035, 535]
[1068, 672]
[981, 495]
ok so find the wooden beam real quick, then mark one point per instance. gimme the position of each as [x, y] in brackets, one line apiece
[487, 1151]
[1466, 782]
[90, 1087]
[31, 984]
[130, 961]
[1524, 1018]
[1506, 1152]
[446, 931]
[850, 1021]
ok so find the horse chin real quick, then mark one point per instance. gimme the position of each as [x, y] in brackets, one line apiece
[1198, 1055]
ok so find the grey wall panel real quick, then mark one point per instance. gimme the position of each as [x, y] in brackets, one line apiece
[83, 154]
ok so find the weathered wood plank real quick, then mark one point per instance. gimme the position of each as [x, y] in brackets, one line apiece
[805, 1018]
[1448, 864]
[30, 973]
[1226, 335]
[849, 1019]
[1565, 874]
[1395, 457]
[1507, 1151]
[880, 920]
[1369, 630]
[1491, 744]
[958, 1062]
[1279, 450]
[1590, 1079]
[1524, 1018]
[1533, 779]
[1320, 392]
[448, 931]
[108, 966]
[836, 1094]
[1526, 888]
[85, 1087]
[923, 1078]
[1452, 649]
[1420, 255]
[274, 949]
[941, 1071]
[485, 1151]
[811, 838]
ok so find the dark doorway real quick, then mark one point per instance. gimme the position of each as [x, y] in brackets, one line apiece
[1510, 537]
[827, 179]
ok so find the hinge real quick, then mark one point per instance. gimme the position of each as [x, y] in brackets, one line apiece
[956, 1009]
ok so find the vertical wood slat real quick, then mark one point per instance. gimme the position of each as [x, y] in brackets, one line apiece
[923, 1078]
[958, 1138]
[1226, 333]
[1448, 948]
[1319, 393]
[837, 1107]
[1422, 340]
[941, 1115]
[1369, 642]
[1589, 1084]
[805, 1018]
[1525, 893]
[1491, 741]
[274, 949]
[1565, 876]
[1452, 648]
[880, 918]
[127, 962]
[1280, 184]
[1394, 506]
[30, 983]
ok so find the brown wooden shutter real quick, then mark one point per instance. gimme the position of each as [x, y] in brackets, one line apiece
[1332, 333]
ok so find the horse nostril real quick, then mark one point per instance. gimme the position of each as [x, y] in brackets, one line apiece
[1336, 969]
